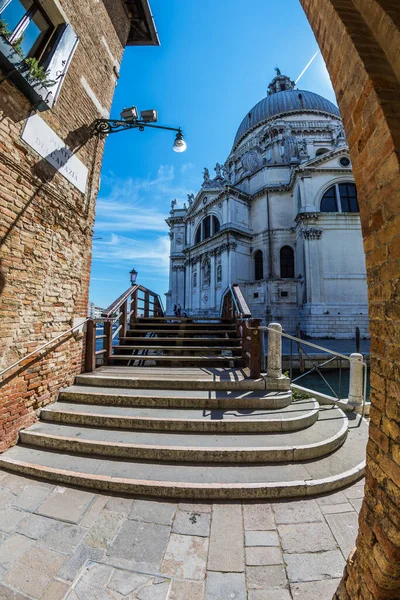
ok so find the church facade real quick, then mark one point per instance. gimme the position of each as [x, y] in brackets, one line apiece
[281, 219]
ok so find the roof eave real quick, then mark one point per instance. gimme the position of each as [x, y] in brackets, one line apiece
[146, 19]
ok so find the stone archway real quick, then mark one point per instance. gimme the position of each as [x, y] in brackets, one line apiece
[360, 42]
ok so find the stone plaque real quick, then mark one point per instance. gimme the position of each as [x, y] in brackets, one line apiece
[49, 146]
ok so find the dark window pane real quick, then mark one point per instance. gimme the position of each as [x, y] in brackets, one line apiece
[258, 265]
[13, 12]
[287, 262]
[207, 227]
[198, 235]
[217, 226]
[328, 202]
[348, 197]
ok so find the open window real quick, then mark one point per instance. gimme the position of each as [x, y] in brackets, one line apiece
[287, 262]
[36, 47]
[258, 265]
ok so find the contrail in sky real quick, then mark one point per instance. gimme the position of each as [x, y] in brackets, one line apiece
[306, 67]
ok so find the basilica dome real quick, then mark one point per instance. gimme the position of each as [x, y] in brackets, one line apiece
[283, 99]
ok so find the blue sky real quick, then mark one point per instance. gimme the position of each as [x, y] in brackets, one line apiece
[215, 62]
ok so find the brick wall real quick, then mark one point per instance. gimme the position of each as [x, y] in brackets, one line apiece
[359, 40]
[46, 224]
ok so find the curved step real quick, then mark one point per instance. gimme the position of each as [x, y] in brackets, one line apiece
[188, 378]
[325, 436]
[298, 415]
[176, 398]
[199, 481]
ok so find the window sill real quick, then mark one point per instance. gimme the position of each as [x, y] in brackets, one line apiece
[13, 69]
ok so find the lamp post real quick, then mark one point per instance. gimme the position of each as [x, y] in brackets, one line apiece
[133, 275]
[130, 120]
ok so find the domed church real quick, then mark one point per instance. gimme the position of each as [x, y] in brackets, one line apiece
[280, 218]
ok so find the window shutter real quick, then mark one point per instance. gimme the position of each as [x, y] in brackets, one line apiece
[58, 61]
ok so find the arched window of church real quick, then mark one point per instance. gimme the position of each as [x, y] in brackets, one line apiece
[216, 224]
[219, 274]
[321, 151]
[329, 201]
[340, 197]
[287, 262]
[194, 280]
[258, 265]
[207, 228]
[197, 239]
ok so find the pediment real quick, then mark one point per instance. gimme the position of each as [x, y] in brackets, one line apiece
[329, 160]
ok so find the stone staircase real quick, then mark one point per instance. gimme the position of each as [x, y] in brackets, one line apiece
[200, 433]
[179, 342]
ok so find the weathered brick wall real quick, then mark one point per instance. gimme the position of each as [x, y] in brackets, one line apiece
[46, 223]
[359, 40]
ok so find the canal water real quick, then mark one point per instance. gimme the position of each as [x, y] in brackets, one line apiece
[338, 382]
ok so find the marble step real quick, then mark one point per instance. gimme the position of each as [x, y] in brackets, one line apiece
[189, 325]
[325, 436]
[185, 378]
[223, 399]
[182, 332]
[198, 480]
[184, 342]
[175, 348]
[199, 358]
[298, 415]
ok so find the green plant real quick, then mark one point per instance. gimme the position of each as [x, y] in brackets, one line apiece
[4, 28]
[36, 71]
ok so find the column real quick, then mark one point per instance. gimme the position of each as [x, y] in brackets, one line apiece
[213, 281]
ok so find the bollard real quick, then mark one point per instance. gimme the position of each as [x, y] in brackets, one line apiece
[356, 379]
[274, 351]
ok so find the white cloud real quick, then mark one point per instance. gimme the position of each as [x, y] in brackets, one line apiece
[152, 253]
[187, 167]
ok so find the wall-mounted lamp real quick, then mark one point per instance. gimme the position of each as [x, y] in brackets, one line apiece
[130, 120]
[133, 274]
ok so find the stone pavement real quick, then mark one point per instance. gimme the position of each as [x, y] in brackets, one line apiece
[61, 543]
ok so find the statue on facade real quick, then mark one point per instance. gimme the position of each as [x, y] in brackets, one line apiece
[226, 172]
[206, 272]
[173, 204]
[190, 199]
[217, 169]
[206, 175]
[289, 143]
[278, 71]
[338, 133]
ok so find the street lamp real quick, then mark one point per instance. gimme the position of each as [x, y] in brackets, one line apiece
[130, 120]
[133, 275]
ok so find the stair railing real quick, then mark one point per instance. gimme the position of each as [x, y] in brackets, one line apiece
[234, 307]
[137, 301]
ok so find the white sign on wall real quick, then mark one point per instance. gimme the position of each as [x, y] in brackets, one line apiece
[42, 138]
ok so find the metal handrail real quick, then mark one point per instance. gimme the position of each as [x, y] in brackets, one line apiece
[43, 346]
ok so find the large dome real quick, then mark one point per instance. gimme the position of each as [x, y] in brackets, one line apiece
[285, 102]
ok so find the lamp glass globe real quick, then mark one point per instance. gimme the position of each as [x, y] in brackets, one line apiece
[179, 145]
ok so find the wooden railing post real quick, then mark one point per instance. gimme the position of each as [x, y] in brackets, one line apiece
[90, 351]
[107, 345]
[146, 304]
[255, 348]
[123, 318]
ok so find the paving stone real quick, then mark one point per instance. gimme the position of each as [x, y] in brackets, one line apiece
[306, 537]
[355, 491]
[121, 506]
[160, 513]
[103, 532]
[195, 507]
[140, 586]
[314, 566]
[9, 519]
[344, 527]
[31, 497]
[263, 555]
[226, 552]
[185, 557]
[266, 577]
[6, 498]
[141, 543]
[329, 509]
[335, 498]
[66, 504]
[94, 511]
[225, 585]
[192, 523]
[317, 590]
[62, 537]
[75, 562]
[261, 538]
[258, 517]
[276, 594]
[32, 573]
[56, 590]
[187, 590]
[7, 593]
[34, 526]
[13, 548]
[356, 503]
[297, 511]
[92, 582]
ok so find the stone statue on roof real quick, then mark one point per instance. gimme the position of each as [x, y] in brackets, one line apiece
[173, 204]
[190, 199]
[278, 71]
[217, 169]
[206, 175]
